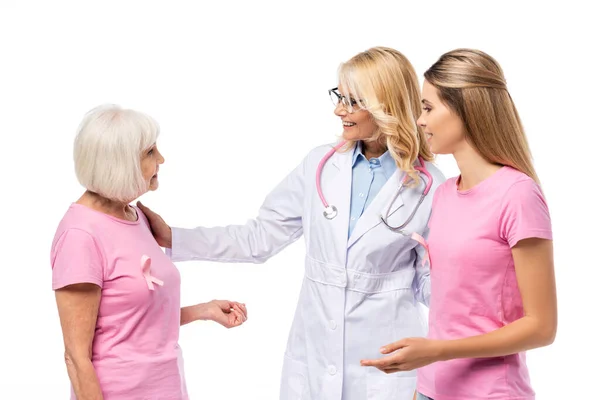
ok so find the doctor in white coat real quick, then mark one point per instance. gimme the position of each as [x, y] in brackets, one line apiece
[362, 279]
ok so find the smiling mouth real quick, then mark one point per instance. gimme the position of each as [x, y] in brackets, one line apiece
[348, 124]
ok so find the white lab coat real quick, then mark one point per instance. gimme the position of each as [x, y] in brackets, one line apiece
[358, 293]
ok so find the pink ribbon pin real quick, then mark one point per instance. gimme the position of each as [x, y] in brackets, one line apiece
[422, 242]
[146, 261]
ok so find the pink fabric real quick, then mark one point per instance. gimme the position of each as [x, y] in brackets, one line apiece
[135, 350]
[146, 263]
[473, 282]
[421, 240]
[320, 170]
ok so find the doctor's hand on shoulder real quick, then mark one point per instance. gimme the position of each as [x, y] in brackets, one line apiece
[406, 355]
[160, 229]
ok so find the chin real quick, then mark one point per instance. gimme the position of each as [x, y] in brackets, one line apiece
[349, 136]
[436, 149]
[448, 149]
[153, 186]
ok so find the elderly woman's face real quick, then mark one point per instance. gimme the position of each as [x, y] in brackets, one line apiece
[151, 159]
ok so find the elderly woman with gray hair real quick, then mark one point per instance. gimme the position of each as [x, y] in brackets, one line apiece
[118, 294]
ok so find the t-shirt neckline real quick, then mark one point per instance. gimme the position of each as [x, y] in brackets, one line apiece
[122, 221]
[481, 184]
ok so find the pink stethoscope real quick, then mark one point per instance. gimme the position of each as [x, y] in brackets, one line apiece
[331, 211]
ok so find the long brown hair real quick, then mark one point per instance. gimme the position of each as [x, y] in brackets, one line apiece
[472, 84]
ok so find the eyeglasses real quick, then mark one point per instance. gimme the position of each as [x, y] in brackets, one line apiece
[350, 104]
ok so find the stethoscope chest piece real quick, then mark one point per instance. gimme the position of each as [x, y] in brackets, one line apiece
[330, 212]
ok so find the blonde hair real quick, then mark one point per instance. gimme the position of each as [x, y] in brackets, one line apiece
[107, 151]
[471, 83]
[387, 86]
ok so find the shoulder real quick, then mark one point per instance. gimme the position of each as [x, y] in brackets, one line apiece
[515, 183]
[76, 221]
[524, 212]
[84, 227]
[519, 188]
[75, 242]
[76, 256]
[515, 178]
[317, 153]
[314, 157]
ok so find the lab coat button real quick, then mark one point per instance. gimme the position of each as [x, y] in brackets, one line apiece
[332, 325]
[332, 370]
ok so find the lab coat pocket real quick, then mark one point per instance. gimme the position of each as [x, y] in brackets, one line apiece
[398, 386]
[294, 380]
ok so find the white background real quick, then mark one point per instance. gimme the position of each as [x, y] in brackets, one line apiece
[240, 91]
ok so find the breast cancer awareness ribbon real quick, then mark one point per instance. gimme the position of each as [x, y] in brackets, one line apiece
[150, 280]
[422, 242]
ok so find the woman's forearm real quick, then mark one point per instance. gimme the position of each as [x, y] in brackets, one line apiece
[277, 225]
[194, 313]
[524, 334]
[84, 379]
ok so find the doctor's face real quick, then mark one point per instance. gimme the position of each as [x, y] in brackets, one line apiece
[358, 124]
[150, 162]
[443, 128]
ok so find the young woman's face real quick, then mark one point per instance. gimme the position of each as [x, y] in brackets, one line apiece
[443, 128]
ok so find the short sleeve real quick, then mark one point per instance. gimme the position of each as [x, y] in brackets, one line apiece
[524, 213]
[75, 258]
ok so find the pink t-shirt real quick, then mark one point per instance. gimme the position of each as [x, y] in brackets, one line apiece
[473, 282]
[135, 351]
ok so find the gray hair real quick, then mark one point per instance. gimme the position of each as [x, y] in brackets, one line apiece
[107, 151]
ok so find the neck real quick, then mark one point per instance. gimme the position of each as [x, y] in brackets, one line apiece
[117, 209]
[474, 169]
[373, 149]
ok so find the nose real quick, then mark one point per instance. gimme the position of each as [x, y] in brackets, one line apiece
[421, 121]
[160, 159]
[340, 110]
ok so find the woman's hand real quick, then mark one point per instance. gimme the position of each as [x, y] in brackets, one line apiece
[158, 226]
[227, 313]
[407, 354]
